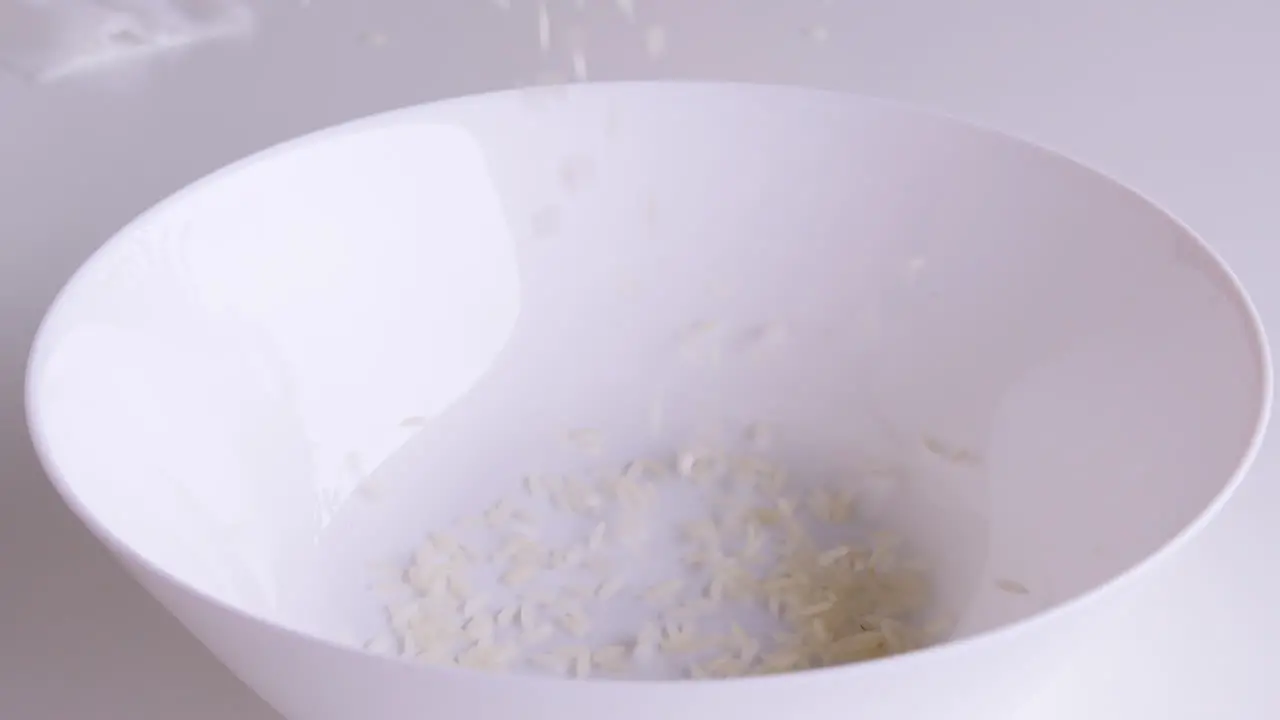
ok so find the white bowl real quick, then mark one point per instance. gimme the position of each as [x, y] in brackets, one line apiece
[211, 388]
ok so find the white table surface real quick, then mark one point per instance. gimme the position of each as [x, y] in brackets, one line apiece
[1178, 98]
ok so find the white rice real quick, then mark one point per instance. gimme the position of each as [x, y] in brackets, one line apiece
[1012, 587]
[655, 41]
[757, 542]
[544, 28]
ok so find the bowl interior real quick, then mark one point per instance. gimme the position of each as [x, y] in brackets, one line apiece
[296, 367]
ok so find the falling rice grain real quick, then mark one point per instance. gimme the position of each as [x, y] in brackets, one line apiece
[663, 593]
[587, 440]
[655, 41]
[582, 663]
[1013, 587]
[595, 542]
[609, 588]
[506, 616]
[759, 436]
[544, 28]
[519, 575]
[770, 335]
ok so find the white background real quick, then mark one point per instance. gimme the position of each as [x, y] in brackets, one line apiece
[1179, 98]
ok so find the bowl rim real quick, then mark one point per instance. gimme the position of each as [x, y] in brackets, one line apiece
[1071, 608]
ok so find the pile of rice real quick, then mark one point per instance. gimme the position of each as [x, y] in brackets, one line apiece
[700, 565]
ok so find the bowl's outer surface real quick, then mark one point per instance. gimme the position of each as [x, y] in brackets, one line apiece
[213, 386]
